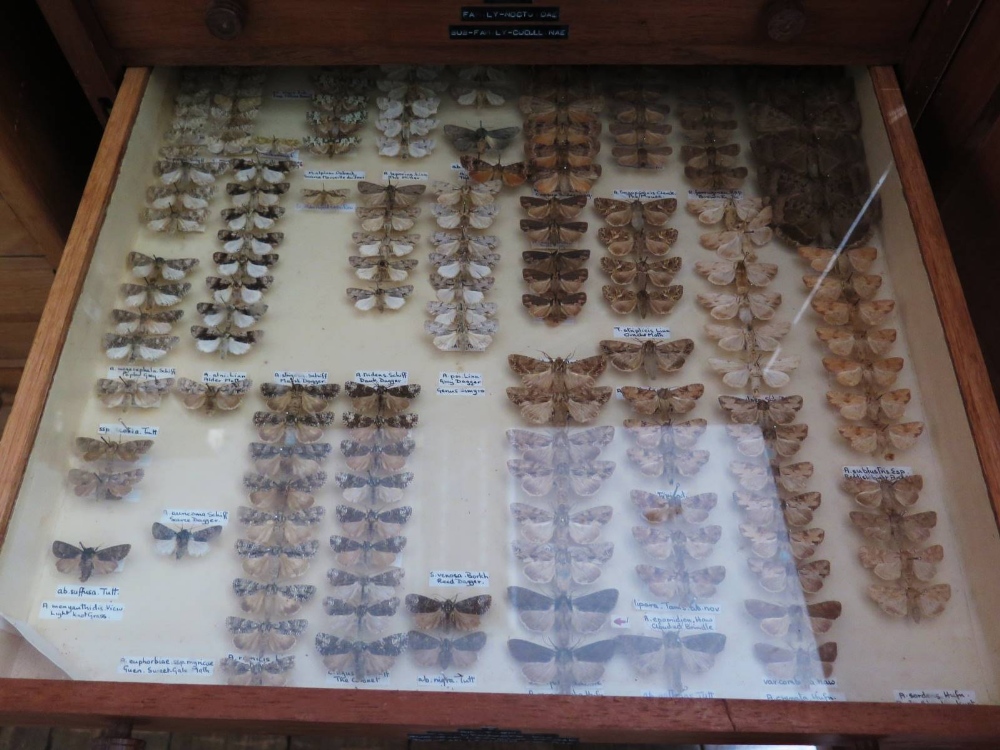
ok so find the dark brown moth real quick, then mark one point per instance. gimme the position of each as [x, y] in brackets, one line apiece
[458, 614]
[282, 600]
[566, 613]
[380, 399]
[442, 653]
[259, 636]
[299, 397]
[88, 561]
[563, 666]
[360, 658]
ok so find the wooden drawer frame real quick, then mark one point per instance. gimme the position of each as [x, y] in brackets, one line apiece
[619, 719]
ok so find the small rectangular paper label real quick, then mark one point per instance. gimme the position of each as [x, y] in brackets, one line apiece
[346, 679]
[794, 682]
[643, 195]
[196, 517]
[875, 473]
[343, 207]
[460, 578]
[678, 694]
[334, 174]
[735, 195]
[91, 611]
[462, 173]
[703, 608]
[310, 377]
[392, 174]
[812, 695]
[446, 681]
[641, 332]
[142, 373]
[222, 376]
[132, 430]
[949, 697]
[387, 378]
[703, 623]
[88, 592]
[460, 384]
[292, 94]
[164, 666]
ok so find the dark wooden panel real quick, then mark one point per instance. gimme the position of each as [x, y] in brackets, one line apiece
[148, 32]
[24, 287]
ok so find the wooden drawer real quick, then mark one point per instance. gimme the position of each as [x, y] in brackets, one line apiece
[931, 306]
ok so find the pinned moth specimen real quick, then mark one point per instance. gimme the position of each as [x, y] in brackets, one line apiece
[444, 652]
[406, 148]
[539, 526]
[806, 664]
[225, 342]
[557, 447]
[624, 240]
[757, 476]
[294, 493]
[464, 264]
[902, 492]
[252, 217]
[175, 219]
[565, 179]
[260, 170]
[250, 240]
[646, 301]
[467, 195]
[670, 461]
[366, 489]
[360, 658]
[715, 177]
[389, 195]
[243, 264]
[868, 314]
[553, 233]
[895, 527]
[657, 509]
[767, 542]
[133, 321]
[748, 338]
[104, 485]
[564, 612]
[124, 393]
[644, 272]
[679, 585]
[88, 561]
[846, 263]
[189, 170]
[555, 260]
[310, 398]
[447, 614]
[761, 369]
[359, 619]
[379, 429]
[853, 289]
[554, 209]
[747, 307]
[324, 198]
[882, 439]
[260, 636]
[299, 459]
[711, 156]
[651, 355]
[776, 574]
[271, 562]
[481, 86]
[767, 509]
[184, 541]
[745, 274]
[379, 553]
[237, 314]
[330, 146]
[558, 372]
[857, 344]
[154, 267]
[641, 156]
[128, 451]
[562, 666]
[372, 525]
[664, 544]
[635, 214]
[381, 399]
[800, 622]
[280, 527]
[461, 335]
[461, 288]
[540, 406]
[880, 373]
[258, 671]
[663, 403]
[383, 246]
[387, 218]
[280, 427]
[212, 397]
[583, 478]
[480, 140]
[258, 195]
[384, 457]
[673, 653]
[777, 440]
[567, 565]
[916, 601]
[474, 217]
[665, 438]
[893, 564]
[357, 589]
[382, 269]
[380, 298]
[511, 175]
[153, 294]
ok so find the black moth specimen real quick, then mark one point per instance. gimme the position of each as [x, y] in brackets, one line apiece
[88, 560]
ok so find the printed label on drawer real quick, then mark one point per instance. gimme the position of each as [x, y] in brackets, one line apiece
[196, 517]
[446, 681]
[392, 174]
[142, 373]
[704, 623]
[131, 430]
[164, 666]
[460, 384]
[460, 578]
[348, 678]
[309, 377]
[875, 473]
[643, 195]
[735, 195]
[88, 592]
[334, 174]
[381, 377]
[812, 695]
[949, 697]
[642, 605]
[222, 376]
[462, 173]
[90, 611]
[292, 94]
[641, 332]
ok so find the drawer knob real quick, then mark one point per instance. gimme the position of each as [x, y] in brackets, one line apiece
[225, 18]
[784, 19]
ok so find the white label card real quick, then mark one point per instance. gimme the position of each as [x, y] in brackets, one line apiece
[214, 377]
[334, 174]
[392, 174]
[90, 611]
[813, 695]
[676, 694]
[641, 332]
[462, 173]
[460, 578]
[680, 621]
[460, 384]
[343, 208]
[310, 377]
[735, 195]
[348, 678]
[292, 94]
[131, 430]
[75, 591]
[703, 608]
[875, 473]
[196, 517]
[164, 666]
[643, 195]
[387, 378]
[446, 681]
[949, 697]
[142, 373]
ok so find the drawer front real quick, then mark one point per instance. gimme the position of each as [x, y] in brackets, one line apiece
[148, 32]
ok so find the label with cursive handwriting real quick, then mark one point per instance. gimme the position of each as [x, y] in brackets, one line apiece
[334, 174]
[165, 666]
[309, 377]
[948, 697]
[643, 195]
[460, 578]
[196, 517]
[877, 473]
[641, 332]
[131, 430]
[142, 373]
[680, 621]
[460, 384]
[75, 591]
[444, 681]
[701, 608]
[393, 174]
[82, 611]
[217, 377]
[388, 378]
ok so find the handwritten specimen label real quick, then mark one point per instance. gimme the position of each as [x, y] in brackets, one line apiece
[292, 94]
[875, 473]
[446, 681]
[715, 195]
[461, 578]
[387, 378]
[643, 195]
[309, 377]
[702, 608]
[89, 611]
[88, 592]
[641, 332]
[950, 697]
[813, 695]
[164, 666]
[142, 373]
[679, 621]
[132, 430]
[392, 174]
[334, 174]
[460, 384]
[215, 377]
[196, 517]
[343, 207]
[348, 678]
[462, 173]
